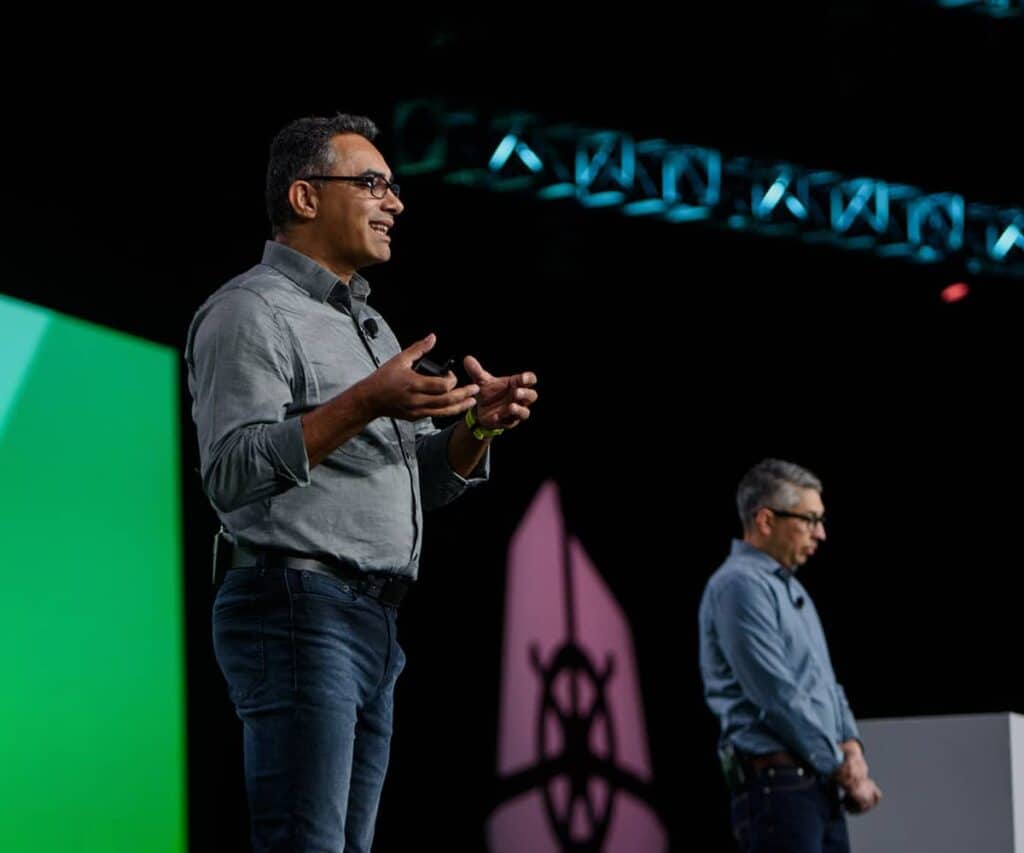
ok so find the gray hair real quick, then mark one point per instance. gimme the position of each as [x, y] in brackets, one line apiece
[773, 483]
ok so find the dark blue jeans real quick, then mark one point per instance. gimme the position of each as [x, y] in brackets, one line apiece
[311, 667]
[785, 810]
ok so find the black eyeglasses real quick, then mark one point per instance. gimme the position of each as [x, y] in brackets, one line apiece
[808, 518]
[378, 185]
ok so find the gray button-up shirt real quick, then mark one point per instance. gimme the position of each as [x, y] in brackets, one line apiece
[277, 341]
[767, 672]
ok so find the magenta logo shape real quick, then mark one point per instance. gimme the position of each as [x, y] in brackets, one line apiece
[573, 763]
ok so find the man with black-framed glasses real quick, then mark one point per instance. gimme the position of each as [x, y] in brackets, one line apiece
[789, 745]
[319, 455]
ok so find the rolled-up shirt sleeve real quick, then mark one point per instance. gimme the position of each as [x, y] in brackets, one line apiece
[241, 379]
[439, 483]
[752, 644]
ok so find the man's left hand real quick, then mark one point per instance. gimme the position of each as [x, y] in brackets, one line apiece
[503, 402]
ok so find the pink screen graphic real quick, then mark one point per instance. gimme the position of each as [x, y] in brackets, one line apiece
[573, 762]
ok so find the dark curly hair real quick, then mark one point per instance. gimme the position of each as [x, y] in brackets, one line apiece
[303, 147]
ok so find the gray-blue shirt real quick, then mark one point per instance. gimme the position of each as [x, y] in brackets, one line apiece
[277, 341]
[767, 672]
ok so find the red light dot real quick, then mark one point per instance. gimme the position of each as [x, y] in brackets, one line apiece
[955, 292]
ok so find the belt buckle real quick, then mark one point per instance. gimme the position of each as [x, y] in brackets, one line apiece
[394, 590]
[373, 586]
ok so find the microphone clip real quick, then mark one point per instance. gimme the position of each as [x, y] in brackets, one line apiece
[370, 328]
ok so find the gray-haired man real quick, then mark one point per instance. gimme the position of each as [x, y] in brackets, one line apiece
[789, 743]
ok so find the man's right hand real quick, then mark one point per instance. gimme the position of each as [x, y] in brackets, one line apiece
[395, 390]
[862, 796]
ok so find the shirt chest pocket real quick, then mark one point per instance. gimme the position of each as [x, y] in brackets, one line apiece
[335, 370]
[329, 379]
[796, 642]
[384, 442]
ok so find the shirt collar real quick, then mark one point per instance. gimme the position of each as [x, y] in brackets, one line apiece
[758, 558]
[321, 284]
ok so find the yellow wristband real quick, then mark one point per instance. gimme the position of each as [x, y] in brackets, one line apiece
[478, 431]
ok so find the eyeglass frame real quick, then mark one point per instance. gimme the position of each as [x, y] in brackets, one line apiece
[808, 518]
[368, 181]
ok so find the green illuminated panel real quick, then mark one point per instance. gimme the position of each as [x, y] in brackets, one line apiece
[92, 731]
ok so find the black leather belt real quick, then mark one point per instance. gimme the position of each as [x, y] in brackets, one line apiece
[769, 761]
[386, 588]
